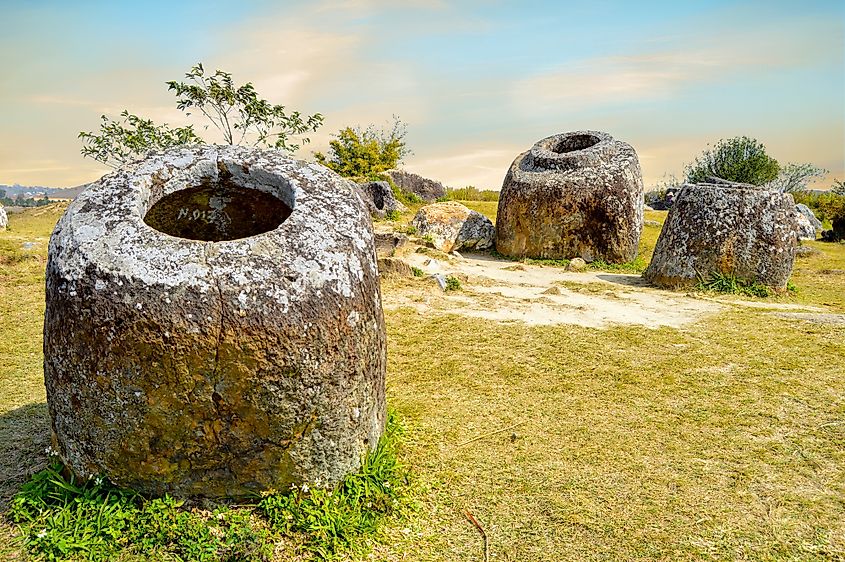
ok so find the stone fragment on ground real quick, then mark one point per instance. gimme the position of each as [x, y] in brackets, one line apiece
[388, 242]
[805, 251]
[4, 219]
[452, 226]
[576, 264]
[577, 194]
[394, 267]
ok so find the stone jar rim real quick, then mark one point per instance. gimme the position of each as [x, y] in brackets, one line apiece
[106, 220]
[572, 150]
[155, 179]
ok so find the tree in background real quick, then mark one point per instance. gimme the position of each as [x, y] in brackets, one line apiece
[838, 187]
[357, 152]
[793, 178]
[237, 111]
[740, 159]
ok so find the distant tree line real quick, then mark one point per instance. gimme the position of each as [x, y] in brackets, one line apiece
[23, 201]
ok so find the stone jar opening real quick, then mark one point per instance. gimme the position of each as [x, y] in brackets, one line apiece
[575, 142]
[218, 210]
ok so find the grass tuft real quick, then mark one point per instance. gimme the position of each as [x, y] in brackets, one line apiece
[336, 521]
[730, 284]
[453, 283]
[61, 518]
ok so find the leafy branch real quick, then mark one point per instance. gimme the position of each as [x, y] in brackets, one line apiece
[237, 111]
[121, 141]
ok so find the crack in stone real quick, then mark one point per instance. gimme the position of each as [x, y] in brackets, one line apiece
[214, 377]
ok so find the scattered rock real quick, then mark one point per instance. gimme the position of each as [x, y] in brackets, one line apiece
[440, 279]
[424, 188]
[805, 251]
[388, 242]
[452, 226]
[4, 219]
[29, 245]
[516, 267]
[727, 228]
[576, 264]
[380, 199]
[817, 318]
[392, 267]
[212, 351]
[654, 224]
[577, 194]
[552, 291]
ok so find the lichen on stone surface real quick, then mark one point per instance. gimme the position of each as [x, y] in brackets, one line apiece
[214, 367]
[729, 229]
[576, 194]
[452, 226]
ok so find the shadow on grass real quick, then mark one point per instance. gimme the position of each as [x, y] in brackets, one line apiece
[24, 436]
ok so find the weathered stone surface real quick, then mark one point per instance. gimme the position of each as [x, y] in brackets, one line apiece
[576, 264]
[576, 194]
[453, 226]
[424, 188]
[729, 229]
[808, 224]
[393, 267]
[380, 199]
[248, 359]
[388, 242]
[806, 251]
[4, 219]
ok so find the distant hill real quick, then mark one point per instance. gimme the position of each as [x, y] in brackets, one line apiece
[37, 191]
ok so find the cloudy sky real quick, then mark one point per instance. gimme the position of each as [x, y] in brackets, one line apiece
[477, 82]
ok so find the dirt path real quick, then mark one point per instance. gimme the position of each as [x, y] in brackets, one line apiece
[507, 291]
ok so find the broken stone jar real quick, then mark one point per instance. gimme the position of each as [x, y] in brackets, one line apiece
[214, 326]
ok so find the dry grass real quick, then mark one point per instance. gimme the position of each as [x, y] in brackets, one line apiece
[722, 441]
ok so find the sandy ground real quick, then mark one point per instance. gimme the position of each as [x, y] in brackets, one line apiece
[537, 295]
[506, 291]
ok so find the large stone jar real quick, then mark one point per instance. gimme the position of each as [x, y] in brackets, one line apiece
[214, 325]
[726, 228]
[577, 194]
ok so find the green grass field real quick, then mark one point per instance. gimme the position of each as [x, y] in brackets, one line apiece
[724, 440]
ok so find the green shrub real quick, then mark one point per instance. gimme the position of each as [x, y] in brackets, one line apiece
[359, 152]
[453, 283]
[417, 271]
[739, 159]
[828, 206]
